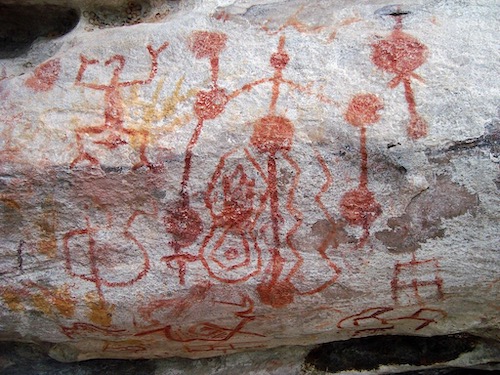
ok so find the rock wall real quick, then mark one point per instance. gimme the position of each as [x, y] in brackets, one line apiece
[198, 178]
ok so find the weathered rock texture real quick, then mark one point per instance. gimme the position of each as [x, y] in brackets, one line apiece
[439, 355]
[222, 176]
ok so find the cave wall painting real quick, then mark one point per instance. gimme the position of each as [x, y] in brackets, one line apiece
[245, 235]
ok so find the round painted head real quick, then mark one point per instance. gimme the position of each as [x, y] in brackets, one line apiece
[359, 207]
[400, 53]
[207, 44]
[210, 104]
[279, 60]
[363, 110]
[272, 134]
[183, 223]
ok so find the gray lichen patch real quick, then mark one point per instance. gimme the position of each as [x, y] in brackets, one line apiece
[422, 219]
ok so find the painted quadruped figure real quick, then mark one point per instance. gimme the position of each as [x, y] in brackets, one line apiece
[112, 133]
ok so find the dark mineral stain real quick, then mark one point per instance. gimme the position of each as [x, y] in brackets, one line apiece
[490, 140]
[392, 10]
[11, 218]
[423, 216]
[497, 182]
[334, 231]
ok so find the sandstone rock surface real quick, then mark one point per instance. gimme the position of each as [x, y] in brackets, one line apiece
[201, 178]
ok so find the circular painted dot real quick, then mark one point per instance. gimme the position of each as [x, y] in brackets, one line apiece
[207, 43]
[400, 53]
[231, 253]
[184, 224]
[359, 207]
[279, 60]
[210, 104]
[363, 110]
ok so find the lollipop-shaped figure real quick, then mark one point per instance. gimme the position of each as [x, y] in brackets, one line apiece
[182, 221]
[359, 206]
[209, 104]
[402, 54]
[273, 135]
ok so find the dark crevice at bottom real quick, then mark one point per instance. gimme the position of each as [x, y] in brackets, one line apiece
[370, 353]
[30, 359]
[448, 371]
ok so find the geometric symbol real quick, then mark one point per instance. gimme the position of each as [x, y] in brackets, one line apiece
[418, 280]
[232, 258]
